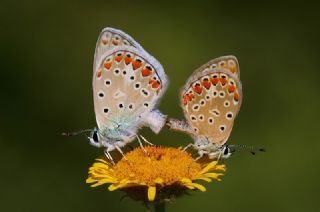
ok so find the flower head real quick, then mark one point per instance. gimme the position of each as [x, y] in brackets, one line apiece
[165, 171]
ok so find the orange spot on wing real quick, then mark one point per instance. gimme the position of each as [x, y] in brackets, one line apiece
[206, 84]
[236, 97]
[151, 81]
[136, 64]
[223, 81]
[107, 65]
[197, 88]
[155, 84]
[115, 42]
[145, 72]
[127, 60]
[233, 69]
[104, 41]
[118, 58]
[231, 88]
[99, 73]
[158, 90]
[185, 99]
[215, 80]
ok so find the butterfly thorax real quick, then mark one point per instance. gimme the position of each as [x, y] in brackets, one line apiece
[202, 143]
[117, 133]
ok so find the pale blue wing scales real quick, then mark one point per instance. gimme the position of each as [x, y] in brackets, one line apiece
[131, 83]
[110, 38]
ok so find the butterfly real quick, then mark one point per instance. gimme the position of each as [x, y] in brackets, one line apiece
[127, 85]
[211, 100]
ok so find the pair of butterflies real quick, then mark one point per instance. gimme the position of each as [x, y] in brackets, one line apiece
[128, 83]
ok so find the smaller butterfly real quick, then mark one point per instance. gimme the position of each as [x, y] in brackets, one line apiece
[211, 100]
[127, 85]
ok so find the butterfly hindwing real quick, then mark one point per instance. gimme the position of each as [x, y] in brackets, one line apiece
[127, 85]
[211, 99]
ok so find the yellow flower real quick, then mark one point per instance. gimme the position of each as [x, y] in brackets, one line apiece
[165, 171]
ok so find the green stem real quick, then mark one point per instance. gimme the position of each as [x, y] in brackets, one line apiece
[160, 207]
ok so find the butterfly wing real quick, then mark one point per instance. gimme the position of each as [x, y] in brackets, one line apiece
[110, 38]
[127, 85]
[212, 97]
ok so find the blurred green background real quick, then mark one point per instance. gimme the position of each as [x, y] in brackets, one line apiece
[45, 85]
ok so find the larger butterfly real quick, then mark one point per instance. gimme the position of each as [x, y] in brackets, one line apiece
[211, 100]
[127, 85]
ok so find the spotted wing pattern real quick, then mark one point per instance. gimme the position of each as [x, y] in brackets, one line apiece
[110, 38]
[127, 85]
[212, 98]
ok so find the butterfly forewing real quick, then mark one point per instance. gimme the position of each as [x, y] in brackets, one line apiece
[127, 84]
[212, 98]
[111, 38]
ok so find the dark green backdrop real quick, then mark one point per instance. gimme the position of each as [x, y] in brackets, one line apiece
[46, 56]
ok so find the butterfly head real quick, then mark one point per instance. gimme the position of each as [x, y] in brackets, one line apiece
[94, 138]
[226, 152]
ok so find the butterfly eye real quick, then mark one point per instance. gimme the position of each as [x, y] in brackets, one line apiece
[95, 137]
[226, 150]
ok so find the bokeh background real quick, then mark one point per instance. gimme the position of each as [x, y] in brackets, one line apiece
[46, 58]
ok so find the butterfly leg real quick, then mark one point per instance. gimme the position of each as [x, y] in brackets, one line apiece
[107, 154]
[201, 153]
[121, 152]
[140, 143]
[145, 140]
[186, 147]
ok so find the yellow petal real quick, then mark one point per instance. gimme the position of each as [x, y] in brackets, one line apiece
[104, 181]
[90, 180]
[212, 175]
[158, 181]
[113, 187]
[198, 186]
[151, 193]
[185, 180]
[103, 161]
[208, 167]
[204, 178]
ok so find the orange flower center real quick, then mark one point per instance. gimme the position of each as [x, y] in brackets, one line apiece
[167, 164]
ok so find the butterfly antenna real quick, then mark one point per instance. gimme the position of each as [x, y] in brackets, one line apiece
[76, 133]
[251, 149]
